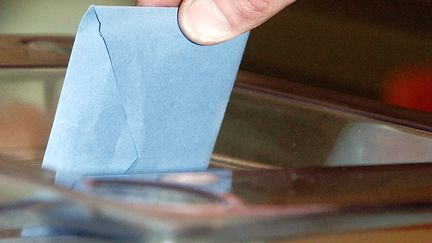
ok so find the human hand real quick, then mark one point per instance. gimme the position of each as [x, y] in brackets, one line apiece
[209, 22]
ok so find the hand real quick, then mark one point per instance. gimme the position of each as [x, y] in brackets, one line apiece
[208, 22]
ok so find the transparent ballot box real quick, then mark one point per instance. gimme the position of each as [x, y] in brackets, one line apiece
[291, 162]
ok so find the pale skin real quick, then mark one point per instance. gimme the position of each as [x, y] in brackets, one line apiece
[209, 22]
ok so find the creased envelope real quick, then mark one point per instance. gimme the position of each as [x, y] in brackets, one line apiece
[138, 96]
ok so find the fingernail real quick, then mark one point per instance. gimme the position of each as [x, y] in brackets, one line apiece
[203, 22]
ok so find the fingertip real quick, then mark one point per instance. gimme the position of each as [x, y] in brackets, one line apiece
[188, 31]
[202, 22]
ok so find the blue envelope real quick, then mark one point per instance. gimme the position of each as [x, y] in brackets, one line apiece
[139, 97]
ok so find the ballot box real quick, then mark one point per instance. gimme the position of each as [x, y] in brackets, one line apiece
[291, 163]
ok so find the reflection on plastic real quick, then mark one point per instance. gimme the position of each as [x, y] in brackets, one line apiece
[369, 144]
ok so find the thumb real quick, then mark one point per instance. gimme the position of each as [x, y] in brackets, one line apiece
[209, 22]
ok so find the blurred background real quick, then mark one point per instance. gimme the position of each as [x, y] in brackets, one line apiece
[375, 49]
[379, 50]
[312, 54]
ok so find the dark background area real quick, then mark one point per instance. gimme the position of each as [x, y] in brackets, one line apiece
[348, 46]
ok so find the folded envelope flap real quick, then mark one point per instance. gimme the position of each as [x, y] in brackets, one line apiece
[90, 134]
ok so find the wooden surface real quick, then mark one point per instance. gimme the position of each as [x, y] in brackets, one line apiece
[34, 51]
[421, 234]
